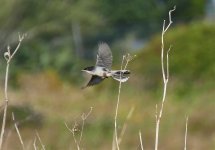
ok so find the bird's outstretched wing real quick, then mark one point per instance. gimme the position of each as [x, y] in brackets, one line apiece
[104, 56]
[94, 80]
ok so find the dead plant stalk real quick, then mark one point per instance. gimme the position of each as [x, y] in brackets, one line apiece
[126, 58]
[8, 57]
[165, 77]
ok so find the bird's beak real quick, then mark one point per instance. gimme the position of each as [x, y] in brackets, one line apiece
[83, 70]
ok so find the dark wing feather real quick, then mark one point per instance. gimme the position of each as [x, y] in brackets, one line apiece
[104, 56]
[94, 80]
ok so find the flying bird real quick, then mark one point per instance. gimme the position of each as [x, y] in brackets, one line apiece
[102, 68]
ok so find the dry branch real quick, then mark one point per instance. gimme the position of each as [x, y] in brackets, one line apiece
[73, 134]
[126, 58]
[141, 141]
[84, 117]
[8, 57]
[34, 144]
[75, 129]
[17, 130]
[165, 77]
[41, 143]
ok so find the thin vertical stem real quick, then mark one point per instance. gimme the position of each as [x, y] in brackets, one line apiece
[141, 141]
[5, 106]
[34, 144]
[165, 75]
[17, 130]
[8, 57]
[117, 107]
[73, 134]
[185, 137]
[125, 124]
[41, 143]
[84, 117]
[126, 58]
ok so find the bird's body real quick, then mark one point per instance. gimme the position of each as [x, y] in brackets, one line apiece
[102, 69]
[99, 71]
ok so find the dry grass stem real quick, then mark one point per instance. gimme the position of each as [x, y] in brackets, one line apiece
[165, 77]
[141, 141]
[75, 128]
[116, 113]
[41, 143]
[10, 131]
[17, 130]
[125, 124]
[84, 117]
[126, 59]
[34, 144]
[8, 57]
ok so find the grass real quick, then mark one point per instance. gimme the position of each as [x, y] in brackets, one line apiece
[67, 103]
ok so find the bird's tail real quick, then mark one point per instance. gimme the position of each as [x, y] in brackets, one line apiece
[120, 75]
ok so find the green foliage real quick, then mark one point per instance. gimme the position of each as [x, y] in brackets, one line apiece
[145, 16]
[187, 10]
[49, 43]
[50, 35]
[191, 57]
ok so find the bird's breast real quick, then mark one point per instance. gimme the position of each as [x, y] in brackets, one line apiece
[100, 71]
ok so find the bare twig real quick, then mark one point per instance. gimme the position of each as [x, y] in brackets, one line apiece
[125, 124]
[117, 107]
[165, 77]
[9, 133]
[167, 64]
[84, 117]
[17, 130]
[8, 57]
[126, 58]
[41, 143]
[75, 129]
[73, 134]
[34, 144]
[141, 141]
[185, 137]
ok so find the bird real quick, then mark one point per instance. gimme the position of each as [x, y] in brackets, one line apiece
[102, 68]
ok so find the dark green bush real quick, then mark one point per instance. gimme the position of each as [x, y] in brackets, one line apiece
[191, 58]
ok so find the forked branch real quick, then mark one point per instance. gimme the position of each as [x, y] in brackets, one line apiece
[125, 60]
[8, 57]
[165, 75]
[75, 128]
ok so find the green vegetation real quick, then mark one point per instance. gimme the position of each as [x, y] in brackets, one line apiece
[46, 68]
[191, 59]
[188, 94]
[51, 27]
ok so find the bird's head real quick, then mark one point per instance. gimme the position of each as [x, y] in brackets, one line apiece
[88, 69]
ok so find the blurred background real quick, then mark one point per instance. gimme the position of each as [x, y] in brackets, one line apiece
[62, 37]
